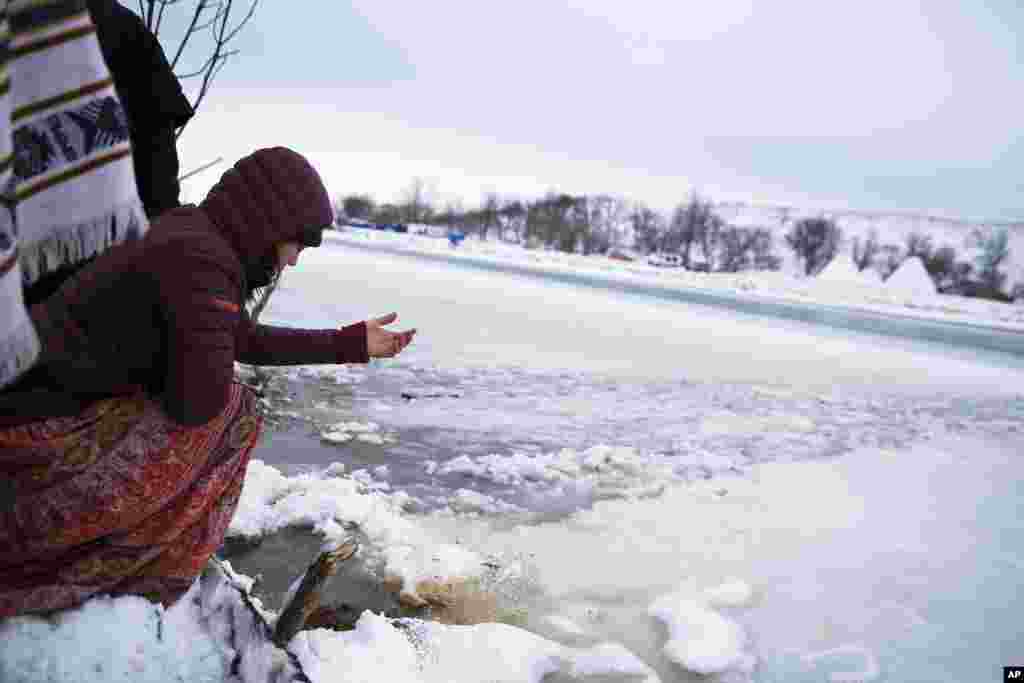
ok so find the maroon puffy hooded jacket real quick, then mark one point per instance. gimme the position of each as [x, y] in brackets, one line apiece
[166, 313]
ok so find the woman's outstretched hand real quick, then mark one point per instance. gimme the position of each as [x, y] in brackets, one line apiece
[383, 343]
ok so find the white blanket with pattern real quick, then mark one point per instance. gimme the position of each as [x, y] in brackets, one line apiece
[65, 159]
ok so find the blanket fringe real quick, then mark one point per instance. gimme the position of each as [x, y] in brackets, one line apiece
[72, 244]
[18, 349]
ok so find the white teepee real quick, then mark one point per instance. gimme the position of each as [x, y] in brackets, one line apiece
[911, 278]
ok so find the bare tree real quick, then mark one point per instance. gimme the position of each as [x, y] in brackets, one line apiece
[222, 19]
[941, 266]
[490, 205]
[607, 223]
[359, 206]
[573, 216]
[680, 234]
[453, 215]
[549, 220]
[512, 217]
[648, 227]
[709, 238]
[765, 257]
[995, 250]
[890, 259]
[388, 213]
[919, 245]
[417, 201]
[815, 241]
[533, 226]
[745, 248]
[963, 283]
[694, 222]
[865, 253]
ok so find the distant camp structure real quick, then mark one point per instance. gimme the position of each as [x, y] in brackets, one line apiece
[367, 225]
[454, 235]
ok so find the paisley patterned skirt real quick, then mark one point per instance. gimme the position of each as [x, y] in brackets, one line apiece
[117, 500]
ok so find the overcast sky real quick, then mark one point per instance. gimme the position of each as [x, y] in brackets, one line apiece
[873, 105]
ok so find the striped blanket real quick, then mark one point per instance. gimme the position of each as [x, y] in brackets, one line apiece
[66, 172]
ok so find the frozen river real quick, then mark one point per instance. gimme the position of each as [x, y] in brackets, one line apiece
[860, 494]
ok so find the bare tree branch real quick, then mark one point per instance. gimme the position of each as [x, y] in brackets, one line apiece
[264, 298]
[159, 18]
[214, 15]
[244, 21]
[209, 76]
[200, 169]
[160, 15]
[201, 70]
[188, 33]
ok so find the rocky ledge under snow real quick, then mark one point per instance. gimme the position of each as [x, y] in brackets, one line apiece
[219, 632]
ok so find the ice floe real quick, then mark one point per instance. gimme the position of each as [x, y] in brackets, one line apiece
[700, 638]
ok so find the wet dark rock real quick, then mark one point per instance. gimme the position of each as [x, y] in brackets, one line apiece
[410, 396]
[274, 561]
[238, 545]
[339, 617]
[306, 600]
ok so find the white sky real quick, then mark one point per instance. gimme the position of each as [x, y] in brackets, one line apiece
[877, 104]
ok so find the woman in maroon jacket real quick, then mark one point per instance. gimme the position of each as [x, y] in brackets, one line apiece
[123, 450]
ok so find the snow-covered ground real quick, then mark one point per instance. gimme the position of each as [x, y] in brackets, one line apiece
[652, 491]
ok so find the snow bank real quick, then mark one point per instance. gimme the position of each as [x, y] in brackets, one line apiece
[418, 652]
[214, 630]
[271, 501]
[217, 633]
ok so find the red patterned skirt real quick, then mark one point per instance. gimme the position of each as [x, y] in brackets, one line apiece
[117, 500]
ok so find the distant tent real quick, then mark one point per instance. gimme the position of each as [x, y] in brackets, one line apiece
[911, 278]
[842, 269]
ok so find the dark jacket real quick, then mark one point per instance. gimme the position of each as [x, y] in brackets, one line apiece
[167, 314]
[152, 99]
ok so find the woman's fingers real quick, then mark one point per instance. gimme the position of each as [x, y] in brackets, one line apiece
[403, 339]
[384, 343]
[386, 319]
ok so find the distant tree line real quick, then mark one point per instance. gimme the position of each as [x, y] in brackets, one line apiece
[703, 240]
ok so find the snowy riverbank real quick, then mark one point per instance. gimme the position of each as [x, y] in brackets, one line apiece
[908, 292]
